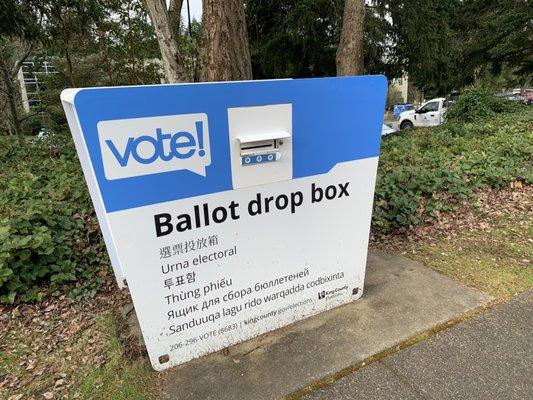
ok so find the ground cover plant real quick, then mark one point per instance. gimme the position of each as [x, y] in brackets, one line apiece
[50, 242]
[478, 104]
[48, 232]
[434, 170]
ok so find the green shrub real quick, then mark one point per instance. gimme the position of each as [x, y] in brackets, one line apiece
[479, 104]
[50, 241]
[48, 232]
[426, 171]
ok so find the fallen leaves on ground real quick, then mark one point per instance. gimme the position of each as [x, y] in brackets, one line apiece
[486, 245]
[479, 216]
[45, 346]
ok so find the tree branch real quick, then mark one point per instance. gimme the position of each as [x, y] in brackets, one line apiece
[18, 63]
[3, 90]
[40, 110]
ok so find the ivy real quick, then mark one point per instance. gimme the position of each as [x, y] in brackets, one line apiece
[428, 171]
[49, 238]
[50, 242]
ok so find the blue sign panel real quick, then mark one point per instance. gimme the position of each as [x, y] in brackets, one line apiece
[331, 121]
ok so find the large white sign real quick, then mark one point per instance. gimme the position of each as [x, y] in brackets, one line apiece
[231, 209]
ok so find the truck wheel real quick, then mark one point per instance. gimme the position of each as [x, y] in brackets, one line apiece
[406, 125]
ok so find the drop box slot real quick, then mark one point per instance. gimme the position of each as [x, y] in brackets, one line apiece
[259, 147]
[253, 144]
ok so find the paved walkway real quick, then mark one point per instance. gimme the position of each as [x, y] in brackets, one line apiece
[401, 299]
[487, 357]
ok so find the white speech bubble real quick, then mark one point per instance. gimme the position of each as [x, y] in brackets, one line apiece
[143, 146]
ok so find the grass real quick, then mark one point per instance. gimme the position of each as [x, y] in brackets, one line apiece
[495, 257]
[497, 260]
[117, 376]
[120, 378]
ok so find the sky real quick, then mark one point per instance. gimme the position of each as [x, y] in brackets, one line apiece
[196, 9]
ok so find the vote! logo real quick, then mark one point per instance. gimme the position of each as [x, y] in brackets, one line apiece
[142, 146]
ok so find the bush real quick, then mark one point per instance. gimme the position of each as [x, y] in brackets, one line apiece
[50, 241]
[428, 171]
[48, 231]
[478, 104]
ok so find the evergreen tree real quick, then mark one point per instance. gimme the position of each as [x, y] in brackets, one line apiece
[299, 38]
[427, 43]
[500, 38]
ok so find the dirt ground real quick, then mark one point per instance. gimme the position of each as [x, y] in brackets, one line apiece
[487, 245]
[64, 348]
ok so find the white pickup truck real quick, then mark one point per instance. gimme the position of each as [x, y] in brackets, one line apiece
[431, 113]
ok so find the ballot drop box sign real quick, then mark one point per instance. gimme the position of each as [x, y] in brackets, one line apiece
[231, 209]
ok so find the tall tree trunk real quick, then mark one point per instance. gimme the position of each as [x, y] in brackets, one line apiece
[170, 55]
[11, 100]
[174, 14]
[70, 68]
[350, 59]
[225, 41]
[108, 67]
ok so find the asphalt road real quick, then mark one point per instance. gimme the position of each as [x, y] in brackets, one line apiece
[487, 357]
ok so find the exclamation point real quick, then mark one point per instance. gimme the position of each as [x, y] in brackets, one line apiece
[200, 133]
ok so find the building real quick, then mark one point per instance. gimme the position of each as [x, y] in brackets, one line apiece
[30, 81]
[405, 91]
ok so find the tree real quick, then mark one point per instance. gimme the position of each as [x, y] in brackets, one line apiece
[12, 54]
[451, 44]
[67, 28]
[19, 32]
[378, 50]
[119, 47]
[166, 36]
[293, 38]
[174, 14]
[299, 38]
[350, 56]
[499, 39]
[225, 41]
[190, 40]
[427, 42]
[128, 48]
